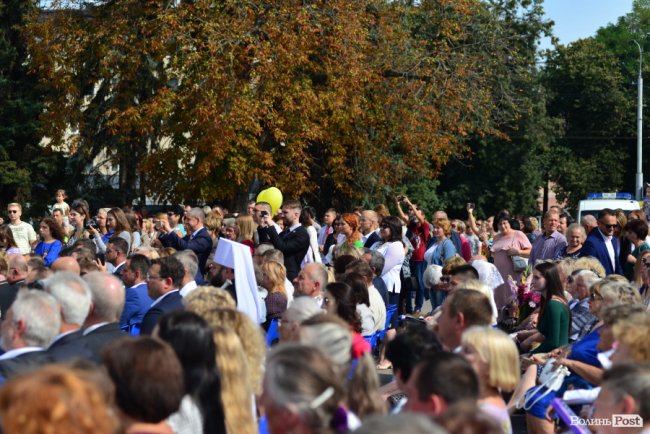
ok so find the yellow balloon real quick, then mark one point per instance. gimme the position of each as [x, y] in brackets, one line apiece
[273, 197]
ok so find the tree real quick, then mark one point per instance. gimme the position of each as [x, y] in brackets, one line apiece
[26, 173]
[587, 92]
[332, 100]
[506, 167]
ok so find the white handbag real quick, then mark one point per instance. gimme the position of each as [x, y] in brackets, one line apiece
[551, 379]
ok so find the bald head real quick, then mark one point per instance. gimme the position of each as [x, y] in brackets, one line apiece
[311, 280]
[589, 222]
[66, 263]
[107, 297]
[369, 221]
[440, 215]
[17, 268]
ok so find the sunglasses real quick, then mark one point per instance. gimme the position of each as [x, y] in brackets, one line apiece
[13, 211]
[612, 226]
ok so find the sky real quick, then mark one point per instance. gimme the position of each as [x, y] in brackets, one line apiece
[576, 19]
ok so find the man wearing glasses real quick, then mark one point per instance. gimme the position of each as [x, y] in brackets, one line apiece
[602, 244]
[24, 233]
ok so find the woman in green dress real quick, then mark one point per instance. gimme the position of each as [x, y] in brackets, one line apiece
[554, 326]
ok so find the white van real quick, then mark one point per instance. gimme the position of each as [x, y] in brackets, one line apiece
[596, 202]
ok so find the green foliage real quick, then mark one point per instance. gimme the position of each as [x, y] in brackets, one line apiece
[506, 169]
[588, 91]
[27, 174]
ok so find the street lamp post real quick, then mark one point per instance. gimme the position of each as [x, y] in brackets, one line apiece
[639, 128]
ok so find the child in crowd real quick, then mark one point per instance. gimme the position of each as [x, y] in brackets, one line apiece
[61, 204]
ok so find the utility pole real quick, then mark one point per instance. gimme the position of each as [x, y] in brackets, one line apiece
[639, 127]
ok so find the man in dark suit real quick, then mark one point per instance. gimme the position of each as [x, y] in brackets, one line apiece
[602, 244]
[369, 225]
[198, 241]
[137, 301]
[116, 254]
[102, 324]
[15, 278]
[29, 327]
[163, 280]
[293, 241]
[73, 295]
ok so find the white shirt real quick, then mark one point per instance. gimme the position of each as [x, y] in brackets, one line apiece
[189, 287]
[19, 351]
[610, 249]
[24, 235]
[159, 299]
[288, 288]
[93, 327]
[377, 307]
[59, 336]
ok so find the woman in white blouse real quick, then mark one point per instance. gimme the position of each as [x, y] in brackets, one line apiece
[392, 248]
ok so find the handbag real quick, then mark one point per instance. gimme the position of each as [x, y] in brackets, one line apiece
[551, 378]
[519, 262]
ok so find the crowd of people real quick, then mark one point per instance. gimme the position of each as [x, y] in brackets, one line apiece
[265, 320]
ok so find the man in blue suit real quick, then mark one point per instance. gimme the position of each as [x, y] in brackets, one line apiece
[198, 240]
[602, 244]
[164, 279]
[137, 301]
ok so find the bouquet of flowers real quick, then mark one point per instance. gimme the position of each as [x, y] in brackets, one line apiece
[527, 300]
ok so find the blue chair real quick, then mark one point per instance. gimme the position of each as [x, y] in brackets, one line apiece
[272, 334]
[134, 329]
[390, 312]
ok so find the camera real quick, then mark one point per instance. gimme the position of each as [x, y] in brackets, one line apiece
[401, 198]
[91, 224]
[264, 213]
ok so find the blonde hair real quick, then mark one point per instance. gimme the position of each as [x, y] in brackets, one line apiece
[350, 249]
[147, 224]
[251, 338]
[56, 398]
[147, 251]
[567, 266]
[453, 262]
[499, 352]
[276, 274]
[4, 263]
[166, 251]
[590, 263]
[445, 225]
[236, 394]
[212, 222]
[246, 226]
[616, 292]
[206, 298]
[633, 331]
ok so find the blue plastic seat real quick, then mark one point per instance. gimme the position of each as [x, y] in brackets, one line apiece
[134, 329]
[272, 333]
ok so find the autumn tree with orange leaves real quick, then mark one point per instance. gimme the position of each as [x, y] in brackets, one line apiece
[333, 100]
